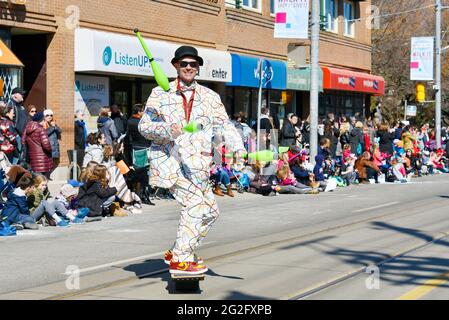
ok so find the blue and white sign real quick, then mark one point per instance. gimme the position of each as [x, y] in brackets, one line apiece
[105, 52]
[91, 93]
[245, 73]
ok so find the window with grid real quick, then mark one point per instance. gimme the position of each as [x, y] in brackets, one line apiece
[349, 15]
[331, 15]
[252, 4]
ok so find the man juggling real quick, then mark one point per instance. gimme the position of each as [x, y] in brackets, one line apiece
[180, 158]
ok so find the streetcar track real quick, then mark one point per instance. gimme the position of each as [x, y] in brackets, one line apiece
[393, 215]
[356, 272]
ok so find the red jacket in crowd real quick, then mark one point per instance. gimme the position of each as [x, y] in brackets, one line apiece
[39, 147]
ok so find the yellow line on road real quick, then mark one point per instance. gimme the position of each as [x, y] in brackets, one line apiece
[424, 289]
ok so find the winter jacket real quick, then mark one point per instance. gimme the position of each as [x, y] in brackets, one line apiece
[16, 205]
[361, 164]
[385, 141]
[92, 195]
[288, 134]
[80, 135]
[54, 134]
[94, 152]
[333, 136]
[107, 127]
[265, 124]
[356, 138]
[20, 117]
[39, 147]
[120, 124]
[136, 140]
[8, 137]
[318, 169]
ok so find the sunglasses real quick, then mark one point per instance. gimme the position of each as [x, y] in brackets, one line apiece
[33, 111]
[49, 115]
[193, 64]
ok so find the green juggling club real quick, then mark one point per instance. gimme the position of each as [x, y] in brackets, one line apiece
[159, 74]
[193, 127]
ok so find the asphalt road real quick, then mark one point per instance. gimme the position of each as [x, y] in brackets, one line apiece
[284, 247]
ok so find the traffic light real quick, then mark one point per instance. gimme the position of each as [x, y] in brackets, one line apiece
[238, 4]
[420, 93]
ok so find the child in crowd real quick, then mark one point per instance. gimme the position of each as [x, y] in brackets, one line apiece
[95, 194]
[40, 202]
[348, 172]
[318, 170]
[16, 212]
[68, 198]
[346, 150]
[286, 181]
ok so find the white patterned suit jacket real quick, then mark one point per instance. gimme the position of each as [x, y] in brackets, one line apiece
[188, 154]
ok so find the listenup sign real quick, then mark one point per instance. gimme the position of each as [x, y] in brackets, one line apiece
[291, 19]
[105, 52]
[421, 62]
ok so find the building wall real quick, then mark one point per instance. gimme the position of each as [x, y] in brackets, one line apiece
[196, 22]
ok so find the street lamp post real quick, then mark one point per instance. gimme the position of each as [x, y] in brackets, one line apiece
[314, 63]
[438, 73]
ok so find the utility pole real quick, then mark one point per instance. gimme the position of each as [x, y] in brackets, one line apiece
[438, 73]
[314, 68]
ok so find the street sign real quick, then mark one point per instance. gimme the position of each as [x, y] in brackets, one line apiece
[411, 111]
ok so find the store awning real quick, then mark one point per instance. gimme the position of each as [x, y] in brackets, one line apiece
[346, 80]
[111, 53]
[245, 73]
[7, 58]
[299, 79]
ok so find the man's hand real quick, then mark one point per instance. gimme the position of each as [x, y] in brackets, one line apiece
[176, 130]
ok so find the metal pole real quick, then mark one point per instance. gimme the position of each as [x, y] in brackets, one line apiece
[75, 165]
[314, 68]
[438, 73]
[405, 112]
[259, 110]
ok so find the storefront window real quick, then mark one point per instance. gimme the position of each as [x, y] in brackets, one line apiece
[340, 103]
[147, 87]
[242, 101]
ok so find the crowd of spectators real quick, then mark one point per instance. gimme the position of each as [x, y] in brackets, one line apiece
[114, 162]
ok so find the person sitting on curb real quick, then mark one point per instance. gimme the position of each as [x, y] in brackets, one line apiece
[366, 169]
[16, 212]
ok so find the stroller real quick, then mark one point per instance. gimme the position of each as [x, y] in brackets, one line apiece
[241, 180]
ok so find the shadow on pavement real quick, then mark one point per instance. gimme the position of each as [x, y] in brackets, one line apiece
[407, 270]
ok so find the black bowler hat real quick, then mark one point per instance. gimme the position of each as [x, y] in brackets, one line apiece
[185, 51]
[18, 90]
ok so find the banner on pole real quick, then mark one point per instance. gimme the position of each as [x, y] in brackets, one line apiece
[410, 111]
[421, 62]
[291, 19]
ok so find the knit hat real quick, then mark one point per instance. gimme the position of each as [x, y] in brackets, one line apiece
[38, 117]
[48, 112]
[68, 190]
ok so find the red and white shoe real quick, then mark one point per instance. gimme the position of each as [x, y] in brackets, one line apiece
[187, 268]
[168, 256]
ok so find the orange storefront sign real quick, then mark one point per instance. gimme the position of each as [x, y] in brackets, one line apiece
[7, 57]
[346, 80]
